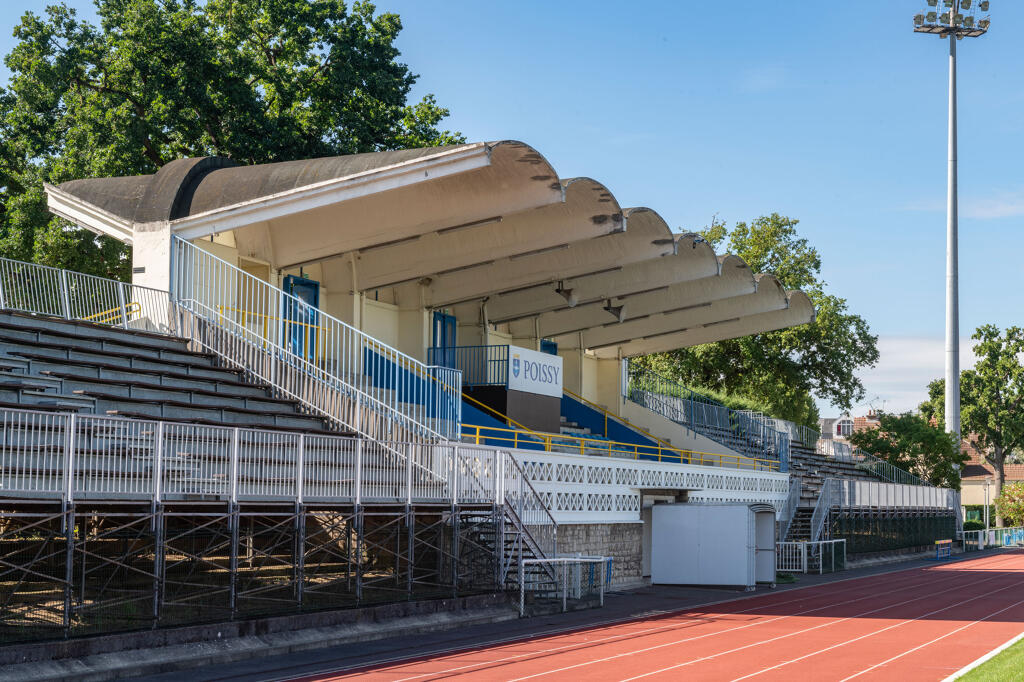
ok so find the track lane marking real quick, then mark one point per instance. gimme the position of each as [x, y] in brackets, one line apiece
[592, 643]
[747, 646]
[903, 622]
[914, 581]
[809, 592]
[929, 643]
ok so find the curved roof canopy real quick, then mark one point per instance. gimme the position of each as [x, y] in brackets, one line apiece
[482, 226]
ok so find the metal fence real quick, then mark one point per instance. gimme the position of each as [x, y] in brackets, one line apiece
[824, 556]
[844, 452]
[562, 579]
[479, 365]
[975, 540]
[289, 328]
[71, 456]
[43, 290]
[684, 406]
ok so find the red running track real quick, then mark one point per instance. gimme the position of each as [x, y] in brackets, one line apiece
[918, 624]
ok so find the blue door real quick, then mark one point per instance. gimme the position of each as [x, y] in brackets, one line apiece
[443, 339]
[300, 316]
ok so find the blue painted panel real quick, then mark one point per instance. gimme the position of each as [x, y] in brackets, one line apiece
[586, 416]
[472, 415]
[410, 386]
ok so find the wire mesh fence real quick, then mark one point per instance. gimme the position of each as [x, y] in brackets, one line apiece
[562, 580]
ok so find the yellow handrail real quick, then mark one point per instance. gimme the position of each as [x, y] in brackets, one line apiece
[515, 437]
[607, 414]
[107, 316]
[528, 435]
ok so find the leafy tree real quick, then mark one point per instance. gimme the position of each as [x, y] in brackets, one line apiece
[254, 80]
[991, 398]
[782, 368]
[1010, 505]
[910, 442]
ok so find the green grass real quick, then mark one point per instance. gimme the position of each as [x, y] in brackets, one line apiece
[1008, 666]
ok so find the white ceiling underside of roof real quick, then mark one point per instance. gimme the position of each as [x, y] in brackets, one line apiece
[491, 228]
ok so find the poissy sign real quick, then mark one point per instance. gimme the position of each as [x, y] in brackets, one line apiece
[534, 372]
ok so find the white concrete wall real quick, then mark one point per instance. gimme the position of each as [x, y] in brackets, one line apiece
[151, 253]
[381, 321]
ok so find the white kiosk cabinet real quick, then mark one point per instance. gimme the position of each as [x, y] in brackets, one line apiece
[713, 544]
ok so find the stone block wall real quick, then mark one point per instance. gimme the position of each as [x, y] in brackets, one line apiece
[623, 541]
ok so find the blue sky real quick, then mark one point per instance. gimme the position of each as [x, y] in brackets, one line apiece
[833, 113]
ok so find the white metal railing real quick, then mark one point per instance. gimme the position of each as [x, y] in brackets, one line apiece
[286, 326]
[529, 512]
[789, 507]
[846, 494]
[562, 578]
[74, 456]
[878, 494]
[43, 290]
[844, 452]
[824, 556]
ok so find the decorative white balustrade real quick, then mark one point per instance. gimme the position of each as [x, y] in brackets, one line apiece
[584, 489]
[74, 456]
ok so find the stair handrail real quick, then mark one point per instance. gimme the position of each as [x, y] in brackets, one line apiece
[789, 507]
[424, 393]
[527, 509]
[821, 509]
[269, 370]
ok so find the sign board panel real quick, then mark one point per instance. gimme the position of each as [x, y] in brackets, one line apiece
[534, 372]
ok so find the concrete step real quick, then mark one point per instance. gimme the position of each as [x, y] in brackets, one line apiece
[61, 357]
[198, 397]
[222, 416]
[77, 339]
[91, 330]
[229, 387]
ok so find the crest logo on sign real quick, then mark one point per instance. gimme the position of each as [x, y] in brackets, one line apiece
[515, 366]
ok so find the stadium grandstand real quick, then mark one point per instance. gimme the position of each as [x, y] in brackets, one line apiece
[379, 377]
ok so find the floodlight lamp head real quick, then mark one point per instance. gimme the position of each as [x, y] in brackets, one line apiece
[983, 5]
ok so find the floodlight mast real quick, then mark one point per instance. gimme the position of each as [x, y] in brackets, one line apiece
[952, 25]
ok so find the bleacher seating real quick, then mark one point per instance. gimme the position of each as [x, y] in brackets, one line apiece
[60, 365]
[812, 469]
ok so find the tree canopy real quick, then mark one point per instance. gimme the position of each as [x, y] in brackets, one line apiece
[783, 369]
[991, 397]
[255, 80]
[910, 442]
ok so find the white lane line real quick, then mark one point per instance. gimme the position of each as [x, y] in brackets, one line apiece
[672, 626]
[758, 643]
[875, 632]
[520, 639]
[984, 659]
[921, 646]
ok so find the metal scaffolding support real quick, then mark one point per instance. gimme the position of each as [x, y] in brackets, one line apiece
[71, 569]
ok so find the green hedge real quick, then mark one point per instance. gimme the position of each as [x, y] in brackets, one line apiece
[873, 534]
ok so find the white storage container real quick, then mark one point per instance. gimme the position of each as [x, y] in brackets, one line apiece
[713, 544]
